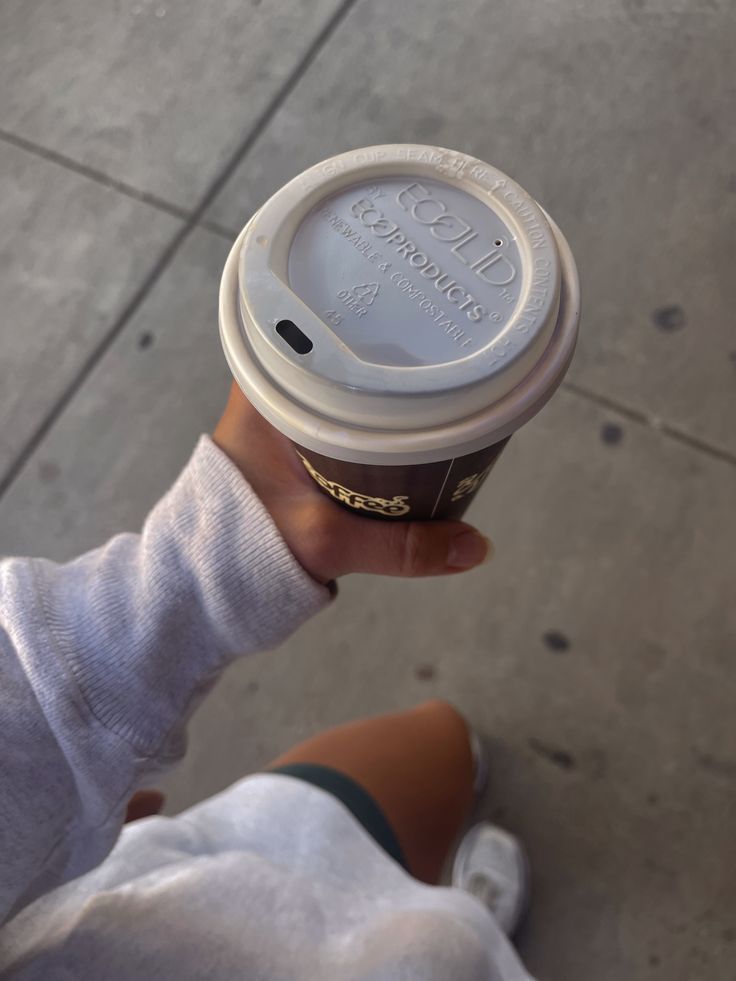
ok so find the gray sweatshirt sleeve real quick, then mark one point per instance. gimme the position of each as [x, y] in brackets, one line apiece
[103, 658]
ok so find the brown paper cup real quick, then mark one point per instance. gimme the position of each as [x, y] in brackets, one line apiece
[398, 312]
[425, 490]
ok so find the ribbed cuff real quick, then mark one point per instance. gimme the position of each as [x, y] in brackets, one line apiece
[146, 622]
[259, 592]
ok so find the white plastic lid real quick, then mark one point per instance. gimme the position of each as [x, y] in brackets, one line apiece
[393, 300]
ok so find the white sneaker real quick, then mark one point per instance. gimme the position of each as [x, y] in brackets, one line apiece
[491, 865]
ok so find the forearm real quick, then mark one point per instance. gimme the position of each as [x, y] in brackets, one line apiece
[104, 657]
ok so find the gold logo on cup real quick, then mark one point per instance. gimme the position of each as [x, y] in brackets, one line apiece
[393, 506]
[469, 485]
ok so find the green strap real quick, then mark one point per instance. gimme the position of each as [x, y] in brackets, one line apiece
[358, 801]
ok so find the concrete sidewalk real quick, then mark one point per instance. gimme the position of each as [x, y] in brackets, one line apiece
[597, 652]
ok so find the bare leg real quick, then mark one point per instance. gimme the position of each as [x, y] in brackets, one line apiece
[417, 765]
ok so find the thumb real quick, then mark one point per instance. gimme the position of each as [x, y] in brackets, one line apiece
[409, 548]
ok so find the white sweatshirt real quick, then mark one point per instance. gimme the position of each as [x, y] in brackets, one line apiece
[101, 662]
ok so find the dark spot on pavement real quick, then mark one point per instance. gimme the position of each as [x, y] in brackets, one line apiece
[556, 641]
[48, 471]
[652, 799]
[732, 357]
[653, 960]
[252, 687]
[560, 757]
[729, 934]
[669, 318]
[720, 767]
[611, 433]
[145, 340]
[425, 672]
[731, 186]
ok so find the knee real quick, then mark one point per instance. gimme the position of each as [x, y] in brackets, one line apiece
[445, 714]
[440, 706]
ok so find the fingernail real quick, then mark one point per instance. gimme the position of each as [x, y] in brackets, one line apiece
[469, 549]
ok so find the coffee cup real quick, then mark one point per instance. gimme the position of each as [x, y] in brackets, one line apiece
[398, 312]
